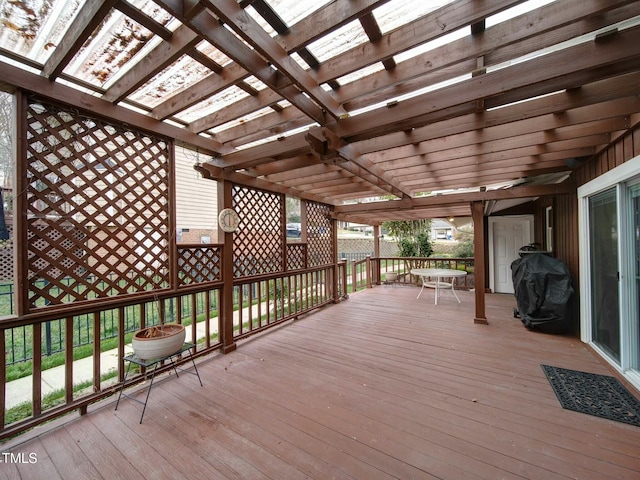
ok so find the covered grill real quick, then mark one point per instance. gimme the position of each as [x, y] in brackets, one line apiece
[543, 291]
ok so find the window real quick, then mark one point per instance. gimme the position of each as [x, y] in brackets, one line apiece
[548, 225]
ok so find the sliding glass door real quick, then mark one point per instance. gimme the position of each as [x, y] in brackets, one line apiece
[634, 274]
[609, 222]
[603, 248]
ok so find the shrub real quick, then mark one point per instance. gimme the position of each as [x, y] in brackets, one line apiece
[463, 250]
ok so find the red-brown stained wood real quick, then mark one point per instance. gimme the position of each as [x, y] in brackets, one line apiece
[382, 385]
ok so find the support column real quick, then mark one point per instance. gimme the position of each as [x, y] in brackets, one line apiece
[336, 277]
[20, 204]
[225, 200]
[376, 255]
[477, 212]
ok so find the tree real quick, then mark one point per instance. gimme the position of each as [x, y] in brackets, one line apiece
[413, 236]
[293, 210]
[6, 145]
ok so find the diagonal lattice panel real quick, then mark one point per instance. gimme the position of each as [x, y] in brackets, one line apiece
[6, 256]
[320, 248]
[296, 256]
[257, 243]
[97, 208]
[199, 264]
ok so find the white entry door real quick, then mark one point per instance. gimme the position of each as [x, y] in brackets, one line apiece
[506, 236]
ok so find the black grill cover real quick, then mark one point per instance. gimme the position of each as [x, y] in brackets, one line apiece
[543, 291]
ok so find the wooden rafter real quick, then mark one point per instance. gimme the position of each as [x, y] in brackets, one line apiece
[504, 124]
[551, 111]
[430, 27]
[84, 24]
[182, 40]
[556, 22]
[319, 23]
[234, 16]
[67, 95]
[568, 66]
[209, 28]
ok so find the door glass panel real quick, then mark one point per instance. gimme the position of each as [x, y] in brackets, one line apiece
[634, 192]
[603, 233]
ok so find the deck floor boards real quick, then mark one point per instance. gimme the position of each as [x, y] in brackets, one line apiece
[381, 386]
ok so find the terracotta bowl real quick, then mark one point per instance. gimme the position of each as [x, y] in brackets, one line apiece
[158, 341]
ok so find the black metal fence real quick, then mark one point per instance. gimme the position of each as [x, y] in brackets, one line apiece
[18, 344]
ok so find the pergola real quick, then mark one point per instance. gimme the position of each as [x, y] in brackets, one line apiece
[365, 110]
[340, 101]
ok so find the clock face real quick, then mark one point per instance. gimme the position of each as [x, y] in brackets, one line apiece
[228, 220]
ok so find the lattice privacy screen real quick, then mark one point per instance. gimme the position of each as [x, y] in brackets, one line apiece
[199, 264]
[296, 256]
[320, 247]
[257, 243]
[97, 208]
[6, 257]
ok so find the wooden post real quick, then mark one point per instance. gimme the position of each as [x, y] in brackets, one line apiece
[336, 277]
[303, 225]
[345, 291]
[174, 269]
[283, 232]
[20, 258]
[354, 277]
[225, 200]
[376, 254]
[477, 212]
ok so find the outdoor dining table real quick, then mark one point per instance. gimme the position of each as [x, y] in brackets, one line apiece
[438, 274]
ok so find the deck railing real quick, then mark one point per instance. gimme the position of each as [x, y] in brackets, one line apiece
[101, 333]
[372, 271]
[269, 300]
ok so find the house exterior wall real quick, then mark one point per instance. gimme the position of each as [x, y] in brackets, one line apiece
[565, 207]
[196, 201]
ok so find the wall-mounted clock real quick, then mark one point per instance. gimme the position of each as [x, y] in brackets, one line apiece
[228, 220]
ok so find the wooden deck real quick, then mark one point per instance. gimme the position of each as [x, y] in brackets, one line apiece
[381, 386]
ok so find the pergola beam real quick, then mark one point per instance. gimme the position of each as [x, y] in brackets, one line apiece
[70, 96]
[567, 65]
[215, 173]
[325, 20]
[518, 37]
[308, 29]
[603, 99]
[210, 28]
[455, 160]
[529, 132]
[430, 27]
[456, 199]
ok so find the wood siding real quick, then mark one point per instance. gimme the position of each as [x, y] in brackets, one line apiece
[565, 211]
[196, 198]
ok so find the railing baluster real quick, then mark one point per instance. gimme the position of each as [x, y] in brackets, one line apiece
[96, 351]
[36, 400]
[294, 292]
[3, 379]
[68, 360]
